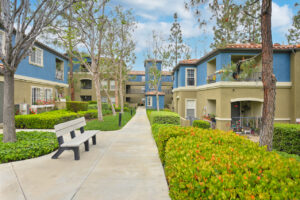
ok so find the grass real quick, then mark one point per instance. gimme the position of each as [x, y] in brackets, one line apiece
[109, 123]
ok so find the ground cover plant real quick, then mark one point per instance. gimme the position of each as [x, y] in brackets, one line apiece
[29, 145]
[213, 164]
[163, 117]
[109, 122]
[286, 138]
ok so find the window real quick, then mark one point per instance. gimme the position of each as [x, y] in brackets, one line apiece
[48, 95]
[36, 95]
[113, 100]
[104, 85]
[86, 84]
[86, 98]
[59, 69]
[190, 77]
[36, 57]
[112, 85]
[2, 40]
[104, 99]
[149, 101]
[190, 106]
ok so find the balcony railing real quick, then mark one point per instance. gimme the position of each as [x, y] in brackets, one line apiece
[254, 76]
[246, 124]
[135, 91]
[59, 75]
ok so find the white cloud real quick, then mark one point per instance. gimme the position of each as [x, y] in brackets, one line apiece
[281, 17]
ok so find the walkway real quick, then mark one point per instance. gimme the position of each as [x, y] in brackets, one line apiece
[124, 165]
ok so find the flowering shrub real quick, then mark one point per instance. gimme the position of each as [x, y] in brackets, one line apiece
[212, 164]
[43, 102]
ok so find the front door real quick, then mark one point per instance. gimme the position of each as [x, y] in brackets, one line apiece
[190, 108]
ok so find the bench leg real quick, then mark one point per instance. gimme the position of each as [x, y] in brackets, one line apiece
[86, 145]
[76, 153]
[94, 139]
[59, 151]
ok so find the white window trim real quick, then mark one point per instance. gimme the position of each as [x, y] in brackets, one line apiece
[45, 92]
[43, 89]
[3, 42]
[104, 85]
[185, 108]
[63, 67]
[195, 77]
[42, 59]
[151, 98]
[110, 85]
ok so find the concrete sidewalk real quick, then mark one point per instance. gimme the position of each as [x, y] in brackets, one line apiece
[124, 165]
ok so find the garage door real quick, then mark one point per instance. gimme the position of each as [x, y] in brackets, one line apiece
[1, 102]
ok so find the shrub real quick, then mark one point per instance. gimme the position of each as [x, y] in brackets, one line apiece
[92, 106]
[29, 145]
[76, 106]
[286, 138]
[201, 124]
[211, 164]
[46, 120]
[105, 106]
[164, 117]
[92, 102]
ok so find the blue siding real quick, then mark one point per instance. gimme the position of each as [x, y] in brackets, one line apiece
[147, 66]
[281, 66]
[136, 78]
[47, 72]
[181, 74]
[154, 103]
[166, 78]
[201, 73]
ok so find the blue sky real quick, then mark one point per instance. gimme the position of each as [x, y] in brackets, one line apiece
[158, 15]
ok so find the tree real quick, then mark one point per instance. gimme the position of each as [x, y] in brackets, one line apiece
[22, 22]
[268, 78]
[294, 33]
[155, 80]
[177, 49]
[90, 20]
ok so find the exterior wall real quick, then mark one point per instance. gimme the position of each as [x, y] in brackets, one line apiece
[47, 72]
[223, 97]
[136, 78]
[295, 91]
[182, 75]
[161, 102]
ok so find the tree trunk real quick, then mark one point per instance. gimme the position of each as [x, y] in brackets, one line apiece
[111, 103]
[157, 101]
[98, 94]
[71, 79]
[9, 130]
[268, 78]
[116, 92]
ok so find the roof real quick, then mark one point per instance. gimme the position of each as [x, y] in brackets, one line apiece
[246, 46]
[154, 93]
[165, 73]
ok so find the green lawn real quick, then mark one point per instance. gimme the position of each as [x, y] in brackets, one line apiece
[109, 123]
[286, 155]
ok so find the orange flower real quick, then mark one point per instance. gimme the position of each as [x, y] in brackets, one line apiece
[245, 177]
[252, 197]
[258, 178]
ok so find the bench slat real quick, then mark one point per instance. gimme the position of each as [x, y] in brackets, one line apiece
[67, 127]
[79, 139]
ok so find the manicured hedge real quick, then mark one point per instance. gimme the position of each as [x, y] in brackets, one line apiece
[201, 124]
[76, 106]
[29, 145]
[164, 117]
[286, 138]
[46, 120]
[211, 164]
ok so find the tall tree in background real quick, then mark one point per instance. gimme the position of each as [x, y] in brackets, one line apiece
[90, 20]
[251, 22]
[177, 49]
[294, 33]
[22, 22]
[268, 78]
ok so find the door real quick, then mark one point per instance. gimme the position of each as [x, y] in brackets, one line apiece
[190, 108]
[235, 115]
[1, 102]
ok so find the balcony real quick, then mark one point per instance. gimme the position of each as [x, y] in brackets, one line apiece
[254, 76]
[59, 75]
[250, 125]
[135, 91]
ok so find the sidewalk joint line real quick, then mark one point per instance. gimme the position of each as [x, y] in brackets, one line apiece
[19, 183]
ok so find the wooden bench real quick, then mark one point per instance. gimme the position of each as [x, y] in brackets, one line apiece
[74, 143]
